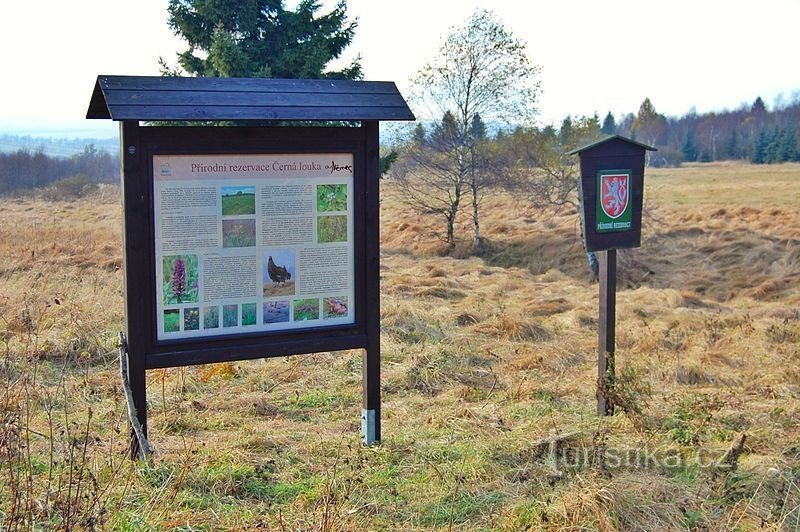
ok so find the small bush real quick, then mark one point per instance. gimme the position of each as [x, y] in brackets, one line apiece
[689, 421]
[631, 392]
[72, 187]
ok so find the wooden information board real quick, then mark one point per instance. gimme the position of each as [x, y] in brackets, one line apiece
[249, 241]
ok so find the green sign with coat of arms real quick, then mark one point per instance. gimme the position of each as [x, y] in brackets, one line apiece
[614, 206]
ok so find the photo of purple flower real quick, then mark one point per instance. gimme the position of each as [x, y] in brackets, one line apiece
[179, 279]
[179, 274]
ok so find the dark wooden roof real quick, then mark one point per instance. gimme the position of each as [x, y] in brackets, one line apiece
[175, 98]
[609, 139]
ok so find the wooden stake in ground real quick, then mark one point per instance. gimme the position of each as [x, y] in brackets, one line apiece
[606, 337]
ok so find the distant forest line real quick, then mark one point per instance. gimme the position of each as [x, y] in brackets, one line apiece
[24, 170]
[751, 132]
[55, 146]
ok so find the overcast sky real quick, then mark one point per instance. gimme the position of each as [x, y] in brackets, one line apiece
[595, 56]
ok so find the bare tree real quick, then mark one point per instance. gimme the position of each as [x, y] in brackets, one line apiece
[426, 177]
[481, 71]
[650, 126]
[543, 172]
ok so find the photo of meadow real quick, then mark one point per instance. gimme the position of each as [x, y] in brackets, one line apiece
[331, 229]
[238, 200]
[238, 233]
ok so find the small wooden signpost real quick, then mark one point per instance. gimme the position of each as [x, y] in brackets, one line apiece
[252, 240]
[611, 189]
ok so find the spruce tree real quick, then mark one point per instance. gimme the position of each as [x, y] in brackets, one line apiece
[732, 146]
[690, 148]
[760, 148]
[788, 145]
[609, 125]
[446, 134]
[477, 129]
[758, 108]
[261, 38]
[773, 149]
[419, 135]
[565, 132]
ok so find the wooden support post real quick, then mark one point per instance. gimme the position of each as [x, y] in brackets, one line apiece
[607, 323]
[142, 446]
[135, 198]
[371, 408]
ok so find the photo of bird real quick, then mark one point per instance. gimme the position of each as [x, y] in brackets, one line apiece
[278, 274]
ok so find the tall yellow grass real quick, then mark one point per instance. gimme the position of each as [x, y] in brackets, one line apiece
[488, 381]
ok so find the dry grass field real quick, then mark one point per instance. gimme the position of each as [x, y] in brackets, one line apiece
[489, 371]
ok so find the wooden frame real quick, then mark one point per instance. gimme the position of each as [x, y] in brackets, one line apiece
[140, 145]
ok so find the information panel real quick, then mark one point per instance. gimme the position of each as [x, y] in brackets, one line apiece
[252, 243]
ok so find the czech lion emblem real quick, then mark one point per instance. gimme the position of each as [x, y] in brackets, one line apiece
[614, 194]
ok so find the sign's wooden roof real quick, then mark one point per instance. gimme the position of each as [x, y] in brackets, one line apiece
[178, 98]
[617, 138]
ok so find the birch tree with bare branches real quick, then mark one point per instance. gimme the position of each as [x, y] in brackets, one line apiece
[483, 71]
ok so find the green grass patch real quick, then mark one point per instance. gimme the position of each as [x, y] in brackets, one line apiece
[226, 478]
[238, 203]
[458, 508]
[527, 515]
[690, 420]
[172, 320]
[317, 399]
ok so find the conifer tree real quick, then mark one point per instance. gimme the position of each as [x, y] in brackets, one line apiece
[565, 132]
[261, 38]
[760, 148]
[773, 150]
[690, 148]
[609, 125]
[732, 147]
[649, 125]
[758, 107]
[477, 129]
[787, 149]
[419, 134]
